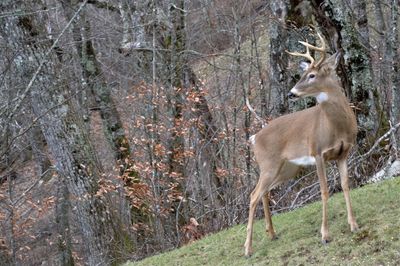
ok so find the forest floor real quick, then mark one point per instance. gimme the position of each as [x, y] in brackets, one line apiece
[377, 242]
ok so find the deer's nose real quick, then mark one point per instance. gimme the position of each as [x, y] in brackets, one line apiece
[291, 95]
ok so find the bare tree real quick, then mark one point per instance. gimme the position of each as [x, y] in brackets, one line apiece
[278, 59]
[392, 47]
[95, 81]
[61, 125]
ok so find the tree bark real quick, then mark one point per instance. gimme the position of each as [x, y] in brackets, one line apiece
[61, 125]
[278, 60]
[351, 36]
[63, 210]
[178, 87]
[392, 47]
[96, 82]
[39, 152]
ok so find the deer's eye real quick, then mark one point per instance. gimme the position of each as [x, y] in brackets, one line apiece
[311, 76]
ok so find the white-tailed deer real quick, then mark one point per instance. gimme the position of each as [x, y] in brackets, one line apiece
[312, 136]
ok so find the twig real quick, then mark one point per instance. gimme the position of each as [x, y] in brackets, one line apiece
[288, 189]
[178, 8]
[394, 141]
[34, 121]
[251, 109]
[38, 181]
[384, 136]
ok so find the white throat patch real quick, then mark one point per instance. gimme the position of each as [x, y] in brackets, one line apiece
[305, 160]
[322, 97]
[253, 139]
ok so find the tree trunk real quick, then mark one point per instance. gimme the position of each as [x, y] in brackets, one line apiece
[61, 125]
[377, 113]
[178, 88]
[74, 156]
[382, 65]
[358, 67]
[39, 152]
[393, 46]
[96, 82]
[278, 59]
[63, 225]
[11, 232]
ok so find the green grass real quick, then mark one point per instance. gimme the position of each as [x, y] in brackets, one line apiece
[377, 211]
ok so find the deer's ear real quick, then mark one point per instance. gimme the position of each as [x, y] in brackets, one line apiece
[304, 66]
[333, 61]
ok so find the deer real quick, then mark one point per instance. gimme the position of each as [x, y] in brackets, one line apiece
[313, 136]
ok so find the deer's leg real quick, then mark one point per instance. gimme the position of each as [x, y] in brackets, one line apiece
[267, 212]
[255, 197]
[321, 171]
[344, 181]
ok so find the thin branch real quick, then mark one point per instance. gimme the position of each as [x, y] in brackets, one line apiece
[36, 119]
[394, 140]
[251, 109]
[178, 8]
[38, 181]
[384, 136]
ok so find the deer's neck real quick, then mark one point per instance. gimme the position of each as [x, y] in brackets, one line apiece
[334, 105]
[331, 94]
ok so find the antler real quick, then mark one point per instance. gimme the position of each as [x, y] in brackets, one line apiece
[307, 55]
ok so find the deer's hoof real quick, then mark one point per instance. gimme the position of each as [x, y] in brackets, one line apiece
[354, 228]
[274, 237]
[325, 241]
[247, 250]
[247, 254]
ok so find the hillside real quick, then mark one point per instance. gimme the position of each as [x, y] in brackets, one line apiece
[123, 124]
[376, 243]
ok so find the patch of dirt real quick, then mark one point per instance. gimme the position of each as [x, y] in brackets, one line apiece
[364, 235]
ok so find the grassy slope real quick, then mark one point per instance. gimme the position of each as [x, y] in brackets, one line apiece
[377, 209]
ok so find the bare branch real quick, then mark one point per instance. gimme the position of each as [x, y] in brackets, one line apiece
[384, 136]
[251, 109]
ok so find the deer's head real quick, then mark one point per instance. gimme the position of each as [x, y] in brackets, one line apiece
[316, 74]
